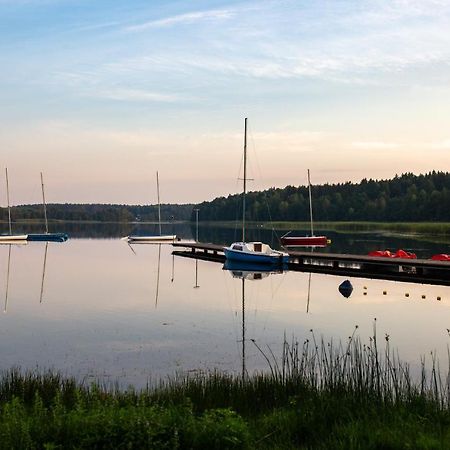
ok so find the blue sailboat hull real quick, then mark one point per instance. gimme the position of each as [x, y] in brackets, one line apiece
[255, 257]
[53, 237]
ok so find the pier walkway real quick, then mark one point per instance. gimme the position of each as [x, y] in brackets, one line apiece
[423, 271]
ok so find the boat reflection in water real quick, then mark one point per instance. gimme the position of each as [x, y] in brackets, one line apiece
[252, 271]
[249, 272]
[8, 270]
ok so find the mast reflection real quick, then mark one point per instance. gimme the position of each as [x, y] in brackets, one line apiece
[43, 272]
[5, 308]
[157, 276]
[196, 275]
[8, 268]
[249, 272]
[158, 269]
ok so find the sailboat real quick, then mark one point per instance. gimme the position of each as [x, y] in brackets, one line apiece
[10, 236]
[254, 252]
[56, 237]
[153, 238]
[318, 241]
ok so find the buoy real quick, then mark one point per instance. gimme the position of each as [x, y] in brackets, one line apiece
[346, 288]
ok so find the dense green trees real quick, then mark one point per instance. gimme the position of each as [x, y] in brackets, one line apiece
[405, 198]
[408, 197]
[98, 212]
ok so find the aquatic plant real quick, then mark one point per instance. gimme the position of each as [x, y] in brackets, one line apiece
[316, 394]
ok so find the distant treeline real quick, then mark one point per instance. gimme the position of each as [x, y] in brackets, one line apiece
[98, 212]
[405, 198]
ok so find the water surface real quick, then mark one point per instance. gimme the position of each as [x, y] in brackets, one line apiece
[106, 311]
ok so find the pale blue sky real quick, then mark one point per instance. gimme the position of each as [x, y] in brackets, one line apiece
[100, 94]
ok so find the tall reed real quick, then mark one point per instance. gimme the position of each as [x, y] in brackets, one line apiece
[363, 371]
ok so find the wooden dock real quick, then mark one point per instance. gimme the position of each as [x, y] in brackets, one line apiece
[423, 271]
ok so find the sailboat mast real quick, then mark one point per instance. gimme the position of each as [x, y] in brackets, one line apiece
[310, 206]
[159, 203]
[7, 198]
[245, 180]
[43, 202]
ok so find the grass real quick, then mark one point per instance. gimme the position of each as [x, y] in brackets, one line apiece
[414, 228]
[316, 395]
[435, 228]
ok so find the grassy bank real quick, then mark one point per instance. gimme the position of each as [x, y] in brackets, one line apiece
[434, 228]
[318, 395]
[429, 228]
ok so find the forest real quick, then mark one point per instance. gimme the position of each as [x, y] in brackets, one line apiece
[99, 212]
[405, 198]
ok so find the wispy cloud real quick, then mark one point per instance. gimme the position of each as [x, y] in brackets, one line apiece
[136, 95]
[375, 145]
[188, 18]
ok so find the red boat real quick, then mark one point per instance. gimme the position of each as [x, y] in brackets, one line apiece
[305, 241]
[292, 241]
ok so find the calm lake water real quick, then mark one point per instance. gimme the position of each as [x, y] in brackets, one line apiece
[102, 310]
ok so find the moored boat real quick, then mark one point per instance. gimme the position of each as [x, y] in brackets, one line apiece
[305, 241]
[316, 241]
[10, 236]
[47, 236]
[255, 252]
[156, 238]
[15, 237]
[152, 238]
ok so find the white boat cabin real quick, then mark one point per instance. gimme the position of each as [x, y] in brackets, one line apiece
[253, 247]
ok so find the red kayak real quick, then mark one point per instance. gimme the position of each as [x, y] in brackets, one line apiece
[441, 257]
[381, 253]
[291, 241]
[398, 254]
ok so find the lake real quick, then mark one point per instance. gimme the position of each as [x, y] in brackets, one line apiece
[98, 309]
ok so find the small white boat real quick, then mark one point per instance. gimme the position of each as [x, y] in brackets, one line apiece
[152, 238]
[16, 240]
[252, 252]
[10, 236]
[156, 238]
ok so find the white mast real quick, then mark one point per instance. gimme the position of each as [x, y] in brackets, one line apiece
[45, 206]
[159, 203]
[7, 198]
[245, 180]
[310, 206]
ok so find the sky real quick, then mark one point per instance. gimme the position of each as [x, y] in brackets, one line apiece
[99, 95]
